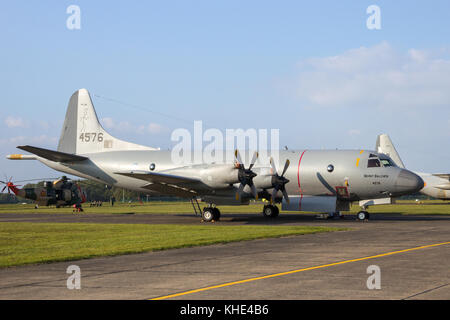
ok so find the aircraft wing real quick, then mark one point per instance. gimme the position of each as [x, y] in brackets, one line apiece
[171, 189]
[52, 155]
[168, 183]
[157, 177]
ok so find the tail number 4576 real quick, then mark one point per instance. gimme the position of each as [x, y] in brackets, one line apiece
[91, 137]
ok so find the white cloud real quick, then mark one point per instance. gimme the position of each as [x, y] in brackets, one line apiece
[377, 77]
[125, 126]
[108, 123]
[354, 132]
[15, 122]
[155, 128]
[44, 125]
[37, 140]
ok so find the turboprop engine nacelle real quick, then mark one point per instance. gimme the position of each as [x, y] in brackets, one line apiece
[212, 175]
[264, 178]
[220, 176]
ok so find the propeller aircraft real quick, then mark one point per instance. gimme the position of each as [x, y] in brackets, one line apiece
[325, 181]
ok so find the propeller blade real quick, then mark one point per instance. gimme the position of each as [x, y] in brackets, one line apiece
[274, 194]
[252, 163]
[285, 195]
[238, 157]
[239, 192]
[286, 166]
[255, 194]
[272, 164]
[3, 189]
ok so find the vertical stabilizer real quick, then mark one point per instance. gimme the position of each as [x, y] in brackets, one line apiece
[385, 145]
[82, 132]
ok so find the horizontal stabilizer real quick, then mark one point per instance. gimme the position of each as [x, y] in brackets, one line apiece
[52, 155]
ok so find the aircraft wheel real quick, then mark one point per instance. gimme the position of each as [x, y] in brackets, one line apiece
[362, 215]
[270, 211]
[208, 214]
[216, 213]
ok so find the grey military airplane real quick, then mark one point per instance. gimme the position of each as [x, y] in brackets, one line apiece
[436, 185]
[311, 180]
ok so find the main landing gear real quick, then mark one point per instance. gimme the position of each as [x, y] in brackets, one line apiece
[210, 214]
[270, 211]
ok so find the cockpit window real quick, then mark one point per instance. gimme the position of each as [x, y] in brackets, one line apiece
[373, 163]
[387, 163]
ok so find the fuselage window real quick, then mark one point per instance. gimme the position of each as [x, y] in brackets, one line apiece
[373, 163]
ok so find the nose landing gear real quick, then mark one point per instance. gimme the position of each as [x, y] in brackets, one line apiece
[362, 215]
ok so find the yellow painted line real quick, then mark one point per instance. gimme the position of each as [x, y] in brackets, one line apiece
[296, 271]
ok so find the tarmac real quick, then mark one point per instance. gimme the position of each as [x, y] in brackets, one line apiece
[412, 254]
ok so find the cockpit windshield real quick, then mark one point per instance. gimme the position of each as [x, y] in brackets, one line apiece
[387, 162]
[383, 161]
[373, 163]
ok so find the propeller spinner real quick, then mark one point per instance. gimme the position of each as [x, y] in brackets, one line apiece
[245, 176]
[279, 181]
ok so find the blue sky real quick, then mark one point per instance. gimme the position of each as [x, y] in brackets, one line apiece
[311, 69]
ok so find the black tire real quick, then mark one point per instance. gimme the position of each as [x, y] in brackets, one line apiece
[208, 214]
[362, 215]
[270, 211]
[216, 213]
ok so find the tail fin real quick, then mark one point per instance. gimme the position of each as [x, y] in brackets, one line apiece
[82, 132]
[385, 145]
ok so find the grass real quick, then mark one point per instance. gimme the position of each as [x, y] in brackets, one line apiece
[402, 207]
[159, 207]
[28, 243]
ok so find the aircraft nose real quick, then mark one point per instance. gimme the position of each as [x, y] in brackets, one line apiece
[408, 182]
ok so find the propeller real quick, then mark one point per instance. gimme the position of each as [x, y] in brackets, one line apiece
[279, 181]
[245, 176]
[8, 184]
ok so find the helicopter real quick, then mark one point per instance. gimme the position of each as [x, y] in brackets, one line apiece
[60, 192]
